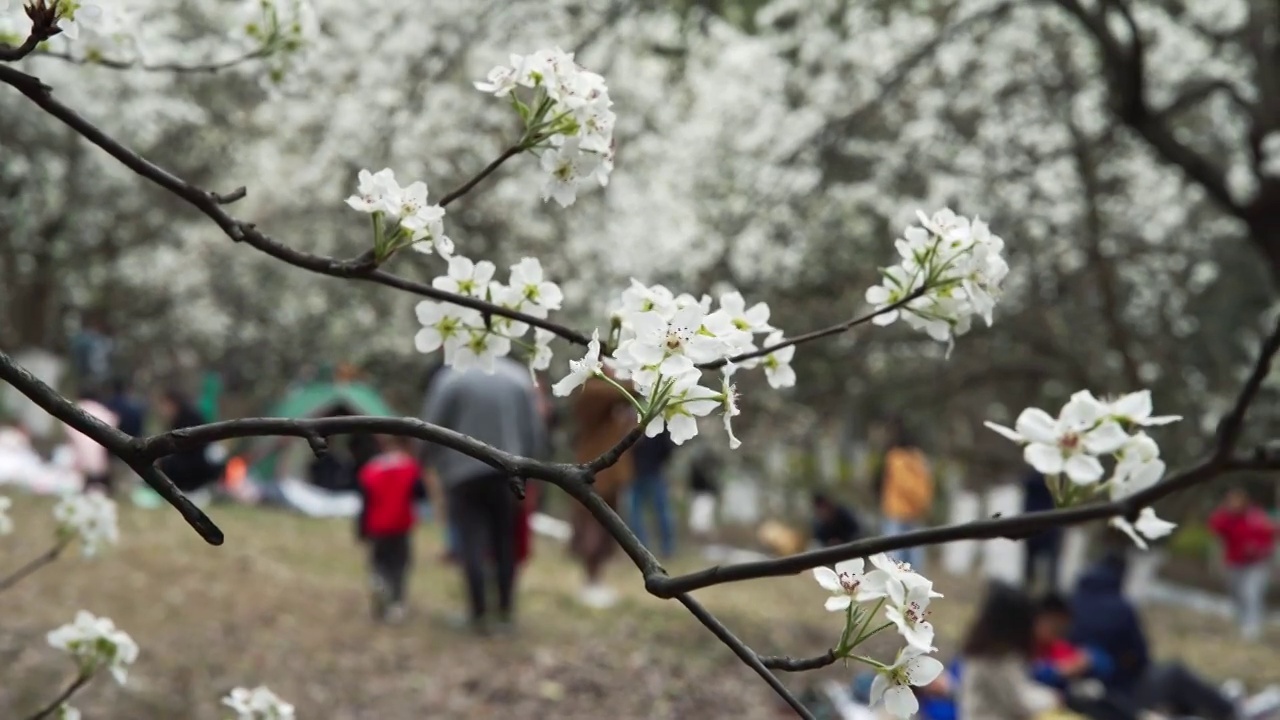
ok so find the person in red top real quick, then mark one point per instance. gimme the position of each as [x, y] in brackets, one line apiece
[390, 484]
[1248, 540]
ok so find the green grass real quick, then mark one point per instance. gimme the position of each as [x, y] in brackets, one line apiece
[283, 602]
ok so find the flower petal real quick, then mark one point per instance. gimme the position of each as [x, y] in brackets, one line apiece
[837, 603]
[1007, 432]
[1106, 438]
[1036, 425]
[1045, 458]
[1135, 407]
[922, 670]
[828, 579]
[1083, 469]
[900, 701]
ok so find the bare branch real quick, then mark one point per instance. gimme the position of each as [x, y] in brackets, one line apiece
[44, 558]
[207, 68]
[790, 664]
[118, 443]
[47, 711]
[1219, 462]
[486, 172]
[836, 329]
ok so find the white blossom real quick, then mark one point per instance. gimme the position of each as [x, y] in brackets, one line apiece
[777, 364]
[688, 402]
[1070, 443]
[844, 583]
[444, 325]
[259, 703]
[466, 277]
[581, 370]
[893, 684]
[729, 405]
[528, 284]
[91, 517]
[95, 643]
[1147, 527]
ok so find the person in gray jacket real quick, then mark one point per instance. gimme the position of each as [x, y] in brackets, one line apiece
[500, 410]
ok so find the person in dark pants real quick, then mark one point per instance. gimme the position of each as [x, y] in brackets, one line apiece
[649, 490]
[1040, 569]
[833, 523]
[1103, 618]
[130, 411]
[500, 410]
[389, 485]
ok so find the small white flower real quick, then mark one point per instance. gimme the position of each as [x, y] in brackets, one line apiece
[444, 324]
[893, 684]
[688, 402]
[73, 16]
[527, 282]
[6, 523]
[777, 364]
[581, 370]
[95, 643]
[376, 192]
[910, 613]
[1147, 527]
[1070, 443]
[480, 348]
[258, 704]
[753, 320]
[541, 357]
[466, 277]
[844, 583]
[89, 516]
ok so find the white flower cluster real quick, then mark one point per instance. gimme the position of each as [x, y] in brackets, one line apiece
[1085, 430]
[567, 115]
[904, 595]
[95, 643]
[951, 267]
[258, 704]
[90, 517]
[401, 215]
[6, 522]
[663, 338]
[469, 338]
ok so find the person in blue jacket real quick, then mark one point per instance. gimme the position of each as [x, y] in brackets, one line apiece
[1103, 618]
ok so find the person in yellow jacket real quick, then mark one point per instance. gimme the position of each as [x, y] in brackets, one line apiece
[904, 488]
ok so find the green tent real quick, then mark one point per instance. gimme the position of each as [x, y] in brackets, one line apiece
[276, 457]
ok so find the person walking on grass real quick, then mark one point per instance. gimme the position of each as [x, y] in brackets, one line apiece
[389, 483]
[91, 459]
[1248, 540]
[904, 487]
[649, 491]
[603, 416]
[500, 410]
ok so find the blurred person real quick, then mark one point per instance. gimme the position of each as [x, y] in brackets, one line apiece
[1103, 618]
[130, 410]
[1078, 671]
[996, 681]
[649, 491]
[1248, 538]
[704, 483]
[500, 410]
[91, 459]
[390, 484]
[904, 487]
[833, 523]
[1044, 549]
[602, 417]
[439, 500]
[197, 466]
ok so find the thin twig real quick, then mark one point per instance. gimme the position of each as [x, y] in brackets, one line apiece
[45, 558]
[789, 664]
[486, 172]
[744, 653]
[240, 231]
[80, 681]
[172, 67]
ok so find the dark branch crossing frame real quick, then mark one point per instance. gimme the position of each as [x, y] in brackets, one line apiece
[141, 454]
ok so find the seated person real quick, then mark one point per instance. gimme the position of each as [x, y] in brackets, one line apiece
[833, 523]
[1103, 618]
[996, 682]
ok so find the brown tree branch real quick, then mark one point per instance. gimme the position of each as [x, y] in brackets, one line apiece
[47, 711]
[44, 558]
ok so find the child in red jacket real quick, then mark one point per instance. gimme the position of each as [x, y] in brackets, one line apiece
[390, 484]
[1248, 539]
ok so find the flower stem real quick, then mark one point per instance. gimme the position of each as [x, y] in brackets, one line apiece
[40, 561]
[81, 680]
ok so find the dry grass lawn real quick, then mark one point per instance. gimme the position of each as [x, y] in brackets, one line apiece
[284, 603]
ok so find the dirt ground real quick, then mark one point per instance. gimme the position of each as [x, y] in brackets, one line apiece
[283, 603]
